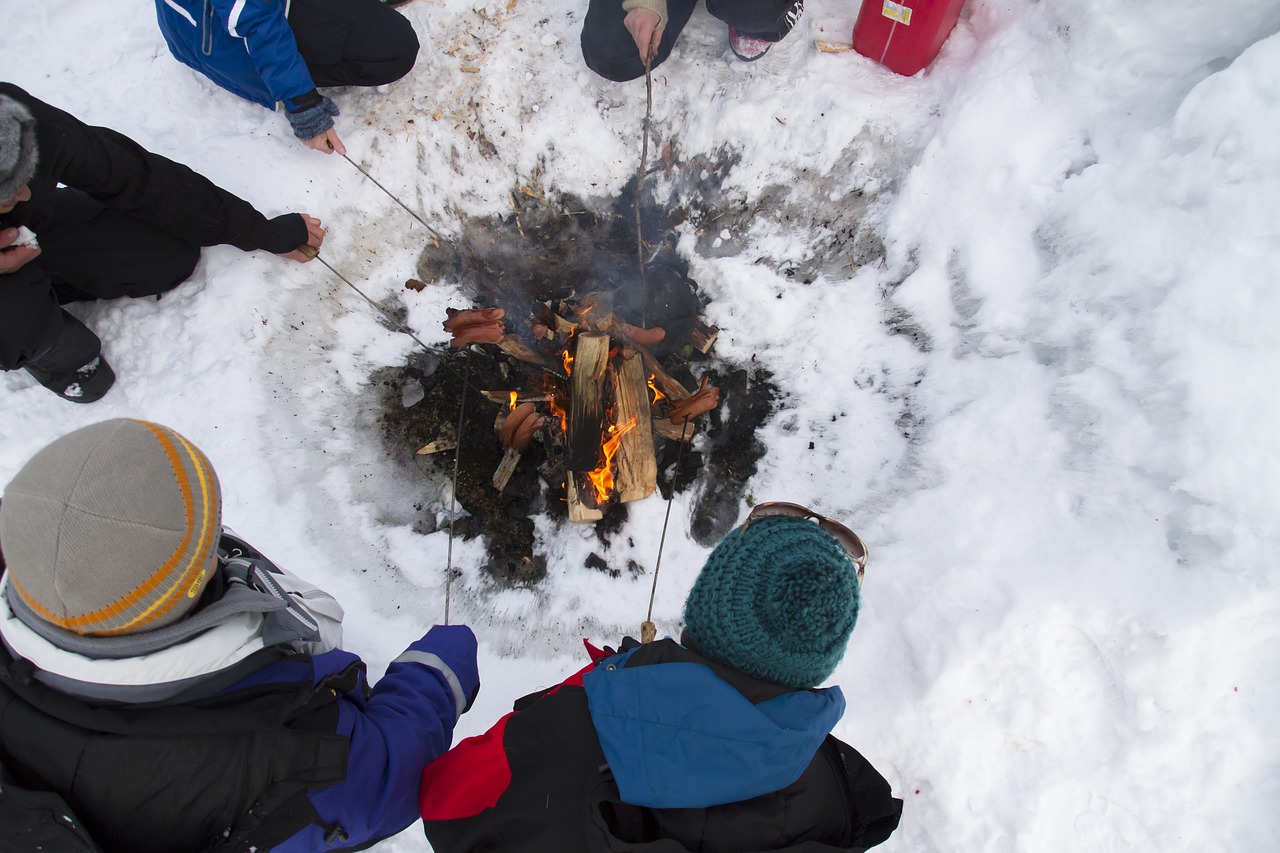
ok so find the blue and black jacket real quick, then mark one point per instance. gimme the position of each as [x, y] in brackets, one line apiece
[287, 749]
[660, 746]
[245, 46]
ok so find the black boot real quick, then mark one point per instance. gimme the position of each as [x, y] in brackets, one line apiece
[83, 385]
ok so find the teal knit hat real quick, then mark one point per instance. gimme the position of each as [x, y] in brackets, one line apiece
[777, 599]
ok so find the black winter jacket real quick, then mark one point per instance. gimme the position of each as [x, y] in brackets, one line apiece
[123, 175]
[540, 780]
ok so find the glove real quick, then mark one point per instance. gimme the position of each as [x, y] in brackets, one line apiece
[314, 120]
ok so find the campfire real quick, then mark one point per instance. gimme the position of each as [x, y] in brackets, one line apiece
[600, 404]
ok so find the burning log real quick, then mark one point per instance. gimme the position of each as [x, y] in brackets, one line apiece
[586, 402]
[637, 475]
[504, 398]
[581, 493]
[667, 384]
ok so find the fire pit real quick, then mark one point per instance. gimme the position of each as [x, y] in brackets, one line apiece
[573, 384]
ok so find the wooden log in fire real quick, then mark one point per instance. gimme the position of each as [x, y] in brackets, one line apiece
[637, 470]
[674, 432]
[582, 499]
[586, 402]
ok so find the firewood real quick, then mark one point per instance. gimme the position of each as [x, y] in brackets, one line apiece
[703, 337]
[665, 428]
[582, 504]
[666, 383]
[503, 398]
[438, 446]
[637, 470]
[516, 348]
[586, 401]
[507, 467]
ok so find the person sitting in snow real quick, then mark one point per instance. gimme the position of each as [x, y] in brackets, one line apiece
[278, 51]
[618, 35]
[719, 742]
[110, 219]
[176, 688]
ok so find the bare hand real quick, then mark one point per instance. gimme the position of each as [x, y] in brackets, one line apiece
[315, 237]
[646, 28]
[326, 143]
[14, 258]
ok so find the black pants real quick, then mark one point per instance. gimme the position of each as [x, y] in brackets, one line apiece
[352, 42]
[611, 52]
[87, 251]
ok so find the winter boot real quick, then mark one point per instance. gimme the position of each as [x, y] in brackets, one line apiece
[747, 48]
[87, 384]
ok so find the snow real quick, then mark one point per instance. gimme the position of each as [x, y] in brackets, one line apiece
[1049, 410]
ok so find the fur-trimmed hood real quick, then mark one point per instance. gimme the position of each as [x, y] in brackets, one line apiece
[18, 149]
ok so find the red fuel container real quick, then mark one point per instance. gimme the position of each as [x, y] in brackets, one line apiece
[904, 36]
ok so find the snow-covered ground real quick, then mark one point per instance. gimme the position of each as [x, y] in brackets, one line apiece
[1050, 410]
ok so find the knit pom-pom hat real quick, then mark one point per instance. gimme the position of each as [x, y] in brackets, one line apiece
[111, 529]
[777, 599]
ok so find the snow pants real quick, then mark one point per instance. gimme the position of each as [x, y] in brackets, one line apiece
[87, 251]
[611, 52]
[352, 42]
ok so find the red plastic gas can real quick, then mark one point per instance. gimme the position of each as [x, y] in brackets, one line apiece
[904, 35]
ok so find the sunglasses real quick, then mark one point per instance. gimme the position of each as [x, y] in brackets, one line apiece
[847, 538]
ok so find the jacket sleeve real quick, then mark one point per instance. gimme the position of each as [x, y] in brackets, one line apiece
[271, 45]
[406, 723]
[122, 174]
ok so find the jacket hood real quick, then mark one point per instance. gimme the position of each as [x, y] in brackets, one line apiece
[677, 735]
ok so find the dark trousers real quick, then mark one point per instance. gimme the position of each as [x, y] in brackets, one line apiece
[353, 42]
[611, 52]
[87, 251]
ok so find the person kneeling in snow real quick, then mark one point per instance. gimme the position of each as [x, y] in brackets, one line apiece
[177, 689]
[111, 219]
[278, 51]
[618, 35]
[718, 743]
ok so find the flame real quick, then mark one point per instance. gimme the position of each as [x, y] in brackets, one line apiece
[657, 395]
[602, 477]
[568, 361]
[513, 402]
[556, 409]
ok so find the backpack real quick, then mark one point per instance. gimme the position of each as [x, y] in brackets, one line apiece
[32, 821]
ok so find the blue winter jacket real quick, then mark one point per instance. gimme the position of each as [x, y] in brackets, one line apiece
[245, 46]
[406, 722]
[678, 736]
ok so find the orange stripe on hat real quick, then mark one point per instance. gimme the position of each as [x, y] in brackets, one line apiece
[200, 464]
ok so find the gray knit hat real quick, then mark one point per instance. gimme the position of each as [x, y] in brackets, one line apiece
[18, 150]
[112, 529]
[777, 599]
